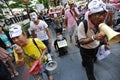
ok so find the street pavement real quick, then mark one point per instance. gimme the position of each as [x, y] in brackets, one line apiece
[70, 68]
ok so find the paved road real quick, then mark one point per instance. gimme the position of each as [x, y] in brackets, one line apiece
[70, 68]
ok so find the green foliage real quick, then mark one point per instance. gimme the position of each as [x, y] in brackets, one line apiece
[1, 13]
[45, 3]
[25, 28]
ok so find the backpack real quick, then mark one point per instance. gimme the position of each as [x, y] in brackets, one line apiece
[86, 29]
[85, 26]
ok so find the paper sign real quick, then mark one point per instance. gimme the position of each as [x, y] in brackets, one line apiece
[62, 43]
[39, 7]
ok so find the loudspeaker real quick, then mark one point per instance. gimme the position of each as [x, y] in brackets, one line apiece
[113, 36]
[51, 65]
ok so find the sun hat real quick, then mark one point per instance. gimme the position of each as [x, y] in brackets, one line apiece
[15, 30]
[96, 6]
[71, 2]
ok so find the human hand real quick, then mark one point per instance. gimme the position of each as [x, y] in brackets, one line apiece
[110, 12]
[64, 27]
[18, 50]
[99, 36]
[107, 47]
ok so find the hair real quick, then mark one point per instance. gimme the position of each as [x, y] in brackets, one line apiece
[31, 11]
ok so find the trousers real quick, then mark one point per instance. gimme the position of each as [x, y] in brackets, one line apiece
[46, 42]
[88, 58]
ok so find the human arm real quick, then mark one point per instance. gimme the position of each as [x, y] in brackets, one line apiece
[98, 36]
[76, 11]
[49, 35]
[33, 33]
[19, 57]
[48, 32]
[32, 30]
[84, 38]
[64, 24]
[109, 18]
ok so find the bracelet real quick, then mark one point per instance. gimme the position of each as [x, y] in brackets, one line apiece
[93, 38]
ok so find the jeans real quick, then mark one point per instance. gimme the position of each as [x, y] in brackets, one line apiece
[46, 42]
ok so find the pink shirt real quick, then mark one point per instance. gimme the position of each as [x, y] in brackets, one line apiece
[71, 22]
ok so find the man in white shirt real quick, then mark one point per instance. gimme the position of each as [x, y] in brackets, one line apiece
[39, 29]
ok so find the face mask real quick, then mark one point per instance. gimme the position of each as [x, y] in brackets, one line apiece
[33, 16]
[60, 37]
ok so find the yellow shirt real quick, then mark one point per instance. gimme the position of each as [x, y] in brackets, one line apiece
[32, 51]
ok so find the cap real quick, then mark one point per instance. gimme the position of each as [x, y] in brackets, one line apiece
[71, 2]
[96, 6]
[15, 30]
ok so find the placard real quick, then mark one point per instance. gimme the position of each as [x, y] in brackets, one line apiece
[62, 43]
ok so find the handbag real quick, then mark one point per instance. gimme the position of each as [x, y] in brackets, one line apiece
[102, 53]
[36, 68]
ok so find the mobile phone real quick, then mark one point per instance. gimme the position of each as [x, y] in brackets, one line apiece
[14, 46]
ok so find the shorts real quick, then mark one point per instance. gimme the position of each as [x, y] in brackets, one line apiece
[73, 31]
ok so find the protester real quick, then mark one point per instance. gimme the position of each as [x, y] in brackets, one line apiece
[39, 29]
[5, 41]
[112, 15]
[4, 72]
[30, 52]
[70, 20]
[57, 24]
[90, 40]
[5, 56]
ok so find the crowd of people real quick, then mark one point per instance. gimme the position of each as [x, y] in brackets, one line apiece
[86, 34]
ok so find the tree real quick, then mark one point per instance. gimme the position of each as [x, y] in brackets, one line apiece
[1, 12]
[46, 3]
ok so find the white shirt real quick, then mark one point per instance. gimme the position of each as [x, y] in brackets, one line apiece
[90, 33]
[40, 29]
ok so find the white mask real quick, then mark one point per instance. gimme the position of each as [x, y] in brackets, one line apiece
[60, 37]
[33, 16]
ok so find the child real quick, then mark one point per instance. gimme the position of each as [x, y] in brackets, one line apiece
[60, 44]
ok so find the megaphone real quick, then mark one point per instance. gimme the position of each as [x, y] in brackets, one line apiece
[51, 65]
[113, 36]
